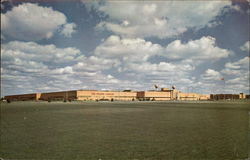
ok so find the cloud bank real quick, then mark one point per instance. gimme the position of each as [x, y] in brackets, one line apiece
[158, 19]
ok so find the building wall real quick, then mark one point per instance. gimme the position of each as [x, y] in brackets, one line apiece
[23, 97]
[154, 95]
[204, 97]
[105, 95]
[85, 95]
[224, 96]
[123, 96]
[126, 96]
[189, 96]
[64, 95]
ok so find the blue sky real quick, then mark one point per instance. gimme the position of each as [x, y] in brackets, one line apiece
[116, 45]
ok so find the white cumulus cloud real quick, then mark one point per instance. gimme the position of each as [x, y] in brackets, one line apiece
[30, 21]
[31, 67]
[40, 53]
[127, 49]
[202, 49]
[211, 74]
[240, 64]
[158, 19]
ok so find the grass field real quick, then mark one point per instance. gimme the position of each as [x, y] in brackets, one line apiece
[124, 130]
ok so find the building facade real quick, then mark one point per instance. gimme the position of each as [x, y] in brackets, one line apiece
[64, 95]
[153, 96]
[106, 95]
[189, 96]
[24, 97]
[227, 96]
[127, 95]
[204, 97]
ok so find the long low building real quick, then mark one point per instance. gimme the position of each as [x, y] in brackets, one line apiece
[84, 95]
[227, 96]
[164, 94]
[24, 97]
[170, 94]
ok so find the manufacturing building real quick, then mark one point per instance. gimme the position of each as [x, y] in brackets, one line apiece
[164, 94]
[94, 95]
[227, 96]
[169, 94]
[24, 97]
[84, 95]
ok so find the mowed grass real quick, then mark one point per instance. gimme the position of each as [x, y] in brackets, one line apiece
[124, 130]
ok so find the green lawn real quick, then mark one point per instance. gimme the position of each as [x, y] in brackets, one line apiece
[124, 130]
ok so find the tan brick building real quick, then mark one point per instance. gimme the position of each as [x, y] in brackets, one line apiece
[153, 96]
[164, 94]
[189, 96]
[24, 97]
[64, 95]
[227, 96]
[106, 95]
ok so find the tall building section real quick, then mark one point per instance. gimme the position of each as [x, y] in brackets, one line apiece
[154, 95]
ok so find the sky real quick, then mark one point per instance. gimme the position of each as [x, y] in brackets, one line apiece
[196, 46]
